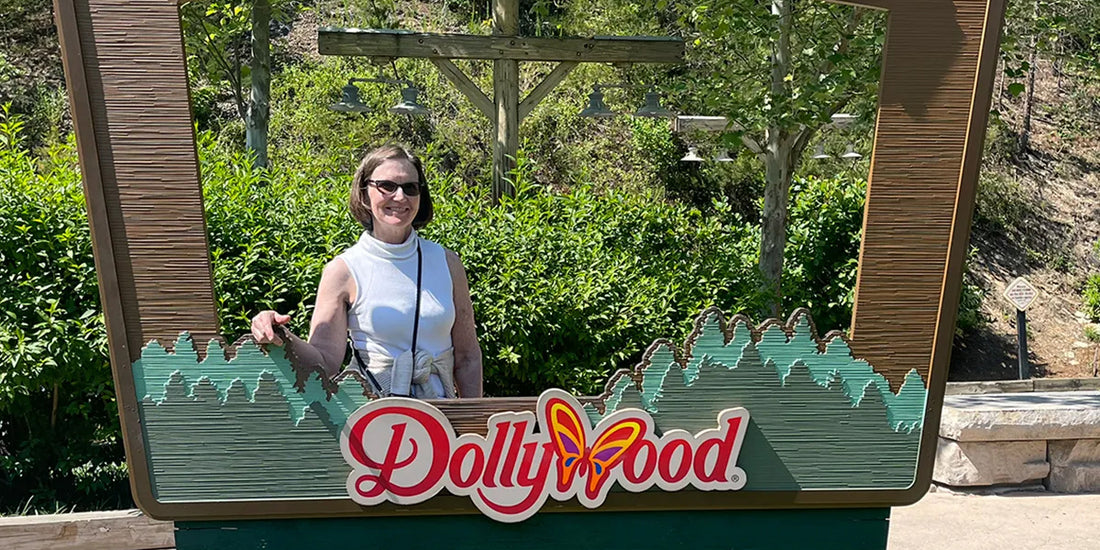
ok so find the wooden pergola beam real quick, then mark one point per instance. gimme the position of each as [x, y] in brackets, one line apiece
[466, 86]
[396, 43]
[549, 83]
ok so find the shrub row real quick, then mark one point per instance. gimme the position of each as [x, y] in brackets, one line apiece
[567, 286]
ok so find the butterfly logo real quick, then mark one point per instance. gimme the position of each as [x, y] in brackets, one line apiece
[570, 432]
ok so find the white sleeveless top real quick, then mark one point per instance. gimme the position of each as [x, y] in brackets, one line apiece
[380, 320]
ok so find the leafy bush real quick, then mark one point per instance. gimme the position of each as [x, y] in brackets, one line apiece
[59, 433]
[1090, 298]
[970, 317]
[1002, 205]
[822, 255]
[567, 286]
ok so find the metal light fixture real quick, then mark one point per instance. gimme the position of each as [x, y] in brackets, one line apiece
[851, 153]
[692, 155]
[350, 102]
[820, 154]
[408, 104]
[724, 156]
[596, 107]
[652, 107]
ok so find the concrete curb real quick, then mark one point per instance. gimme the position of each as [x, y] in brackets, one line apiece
[1019, 386]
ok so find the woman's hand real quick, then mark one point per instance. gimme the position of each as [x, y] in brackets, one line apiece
[263, 327]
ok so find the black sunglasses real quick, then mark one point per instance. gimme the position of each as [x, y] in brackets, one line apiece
[388, 187]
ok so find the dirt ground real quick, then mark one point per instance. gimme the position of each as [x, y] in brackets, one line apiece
[1056, 252]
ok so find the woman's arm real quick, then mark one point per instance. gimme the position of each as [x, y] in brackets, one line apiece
[328, 330]
[464, 333]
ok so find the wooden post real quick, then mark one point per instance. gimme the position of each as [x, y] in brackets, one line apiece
[506, 98]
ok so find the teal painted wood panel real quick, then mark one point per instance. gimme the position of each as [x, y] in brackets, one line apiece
[820, 418]
[847, 529]
[249, 428]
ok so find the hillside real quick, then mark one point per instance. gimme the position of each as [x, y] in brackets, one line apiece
[1038, 216]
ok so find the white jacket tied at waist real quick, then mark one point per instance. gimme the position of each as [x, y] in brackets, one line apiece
[432, 375]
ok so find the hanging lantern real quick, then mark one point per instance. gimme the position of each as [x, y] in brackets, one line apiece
[408, 104]
[596, 107]
[350, 103]
[692, 155]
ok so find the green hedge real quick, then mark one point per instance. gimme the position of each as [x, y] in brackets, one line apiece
[59, 432]
[567, 286]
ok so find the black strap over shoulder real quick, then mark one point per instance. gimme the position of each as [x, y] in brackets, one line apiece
[419, 273]
[363, 367]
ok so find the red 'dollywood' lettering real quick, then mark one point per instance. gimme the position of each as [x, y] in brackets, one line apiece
[405, 451]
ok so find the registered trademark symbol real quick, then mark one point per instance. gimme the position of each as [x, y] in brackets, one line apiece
[735, 478]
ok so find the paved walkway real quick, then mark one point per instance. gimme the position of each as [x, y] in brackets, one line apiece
[1031, 521]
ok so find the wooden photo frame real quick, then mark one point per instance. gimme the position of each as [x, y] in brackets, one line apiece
[125, 67]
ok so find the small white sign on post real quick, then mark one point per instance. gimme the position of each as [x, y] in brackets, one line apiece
[1020, 293]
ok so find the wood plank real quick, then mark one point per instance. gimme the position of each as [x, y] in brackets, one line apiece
[549, 83]
[700, 123]
[391, 43]
[466, 86]
[117, 530]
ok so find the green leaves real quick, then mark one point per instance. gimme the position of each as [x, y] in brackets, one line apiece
[567, 287]
[56, 406]
[1090, 298]
[834, 59]
[826, 222]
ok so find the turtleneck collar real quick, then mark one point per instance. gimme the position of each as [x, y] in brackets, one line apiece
[387, 251]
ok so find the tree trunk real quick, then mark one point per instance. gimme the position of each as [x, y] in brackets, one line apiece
[777, 162]
[1029, 95]
[1001, 86]
[773, 233]
[259, 110]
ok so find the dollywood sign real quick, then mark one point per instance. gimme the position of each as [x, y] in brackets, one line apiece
[405, 451]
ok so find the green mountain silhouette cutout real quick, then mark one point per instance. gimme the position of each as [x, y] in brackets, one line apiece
[252, 427]
[820, 418]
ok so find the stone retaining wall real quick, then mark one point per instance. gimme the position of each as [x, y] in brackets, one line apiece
[1024, 438]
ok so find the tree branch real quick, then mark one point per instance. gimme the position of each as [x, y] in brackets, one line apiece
[801, 138]
[233, 76]
[752, 145]
[844, 43]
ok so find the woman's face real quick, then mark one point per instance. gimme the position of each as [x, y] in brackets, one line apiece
[393, 209]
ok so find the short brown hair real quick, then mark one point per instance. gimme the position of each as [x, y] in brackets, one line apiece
[358, 201]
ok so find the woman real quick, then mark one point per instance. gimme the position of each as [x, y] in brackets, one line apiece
[370, 291]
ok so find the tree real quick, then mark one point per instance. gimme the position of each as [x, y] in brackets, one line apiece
[778, 72]
[1063, 31]
[259, 108]
[219, 37]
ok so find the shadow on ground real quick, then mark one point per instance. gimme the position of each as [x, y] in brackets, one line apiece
[986, 355]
